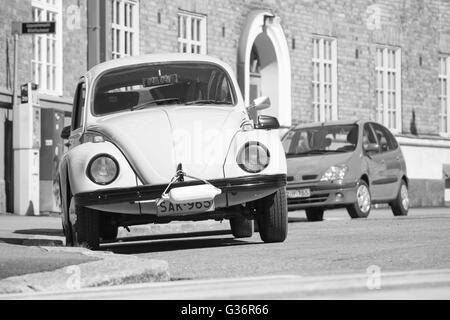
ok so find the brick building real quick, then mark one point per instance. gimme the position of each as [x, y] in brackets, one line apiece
[385, 60]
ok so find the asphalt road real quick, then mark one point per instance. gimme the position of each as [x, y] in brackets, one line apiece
[335, 246]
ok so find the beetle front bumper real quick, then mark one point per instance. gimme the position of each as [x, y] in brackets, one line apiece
[325, 195]
[229, 186]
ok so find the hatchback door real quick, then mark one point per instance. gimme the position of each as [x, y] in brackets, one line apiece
[375, 165]
[389, 157]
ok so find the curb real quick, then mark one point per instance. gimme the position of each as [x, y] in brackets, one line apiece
[111, 270]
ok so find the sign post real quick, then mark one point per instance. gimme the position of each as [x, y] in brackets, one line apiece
[26, 128]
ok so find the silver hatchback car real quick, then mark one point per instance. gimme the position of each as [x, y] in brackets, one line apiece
[344, 164]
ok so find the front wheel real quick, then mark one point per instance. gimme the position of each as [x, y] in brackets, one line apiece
[361, 208]
[272, 217]
[400, 205]
[85, 227]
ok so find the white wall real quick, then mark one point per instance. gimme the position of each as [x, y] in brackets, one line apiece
[425, 157]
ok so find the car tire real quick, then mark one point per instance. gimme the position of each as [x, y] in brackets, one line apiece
[86, 228]
[65, 220]
[361, 208]
[272, 217]
[400, 206]
[241, 227]
[314, 214]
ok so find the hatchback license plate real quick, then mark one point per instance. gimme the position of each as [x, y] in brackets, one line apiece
[168, 208]
[301, 193]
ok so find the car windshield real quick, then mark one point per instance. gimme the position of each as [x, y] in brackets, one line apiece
[182, 83]
[321, 140]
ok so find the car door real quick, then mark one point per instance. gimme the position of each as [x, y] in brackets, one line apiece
[390, 160]
[375, 167]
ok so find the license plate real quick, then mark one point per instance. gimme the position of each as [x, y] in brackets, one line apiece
[301, 193]
[168, 208]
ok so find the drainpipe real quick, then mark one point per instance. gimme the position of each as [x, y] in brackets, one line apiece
[96, 16]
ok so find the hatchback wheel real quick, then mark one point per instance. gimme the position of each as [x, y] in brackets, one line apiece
[361, 208]
[400, 205]
[314, 214]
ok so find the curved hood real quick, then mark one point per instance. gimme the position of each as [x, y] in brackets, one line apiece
[156, 140]
[314, 165]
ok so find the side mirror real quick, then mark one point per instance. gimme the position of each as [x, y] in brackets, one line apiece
[65, 133]
[371, 147]
[267, 123]
[260, 103]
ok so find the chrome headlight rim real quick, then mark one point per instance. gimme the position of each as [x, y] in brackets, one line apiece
[246, 146]
[102, 155]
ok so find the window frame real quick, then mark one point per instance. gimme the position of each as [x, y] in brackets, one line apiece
[78, 109]
[391, 142]
[42, 39]
[122, 27]
[444, 77]
[202, 43]
[385, 70]
[320, 82]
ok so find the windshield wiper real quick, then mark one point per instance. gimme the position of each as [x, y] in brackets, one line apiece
[207, 102]
[315, 151]
[150, 103]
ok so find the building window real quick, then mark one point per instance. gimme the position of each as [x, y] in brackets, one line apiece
[444, 77]
[191, 33]
[47, 48]
[324, 82]
[124, 28]
[388, 89]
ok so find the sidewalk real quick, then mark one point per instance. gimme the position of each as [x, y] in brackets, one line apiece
[33, 259]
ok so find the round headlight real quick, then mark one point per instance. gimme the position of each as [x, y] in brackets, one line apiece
[254, 157]
[103, 169]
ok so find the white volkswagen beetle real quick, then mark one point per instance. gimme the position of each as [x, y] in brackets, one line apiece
[163, 138]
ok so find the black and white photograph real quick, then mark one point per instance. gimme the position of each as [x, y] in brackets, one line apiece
[224, 153]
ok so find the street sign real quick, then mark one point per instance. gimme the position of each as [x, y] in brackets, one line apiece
[43, 27]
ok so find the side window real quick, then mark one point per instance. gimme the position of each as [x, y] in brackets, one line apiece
[368, 136]
[78, 106]
[383, 137]
[392, 142]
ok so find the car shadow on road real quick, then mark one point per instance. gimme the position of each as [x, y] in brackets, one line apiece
[171, 243]
[41, 232]
[297, 220]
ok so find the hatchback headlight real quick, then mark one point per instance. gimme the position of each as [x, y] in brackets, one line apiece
[103, 169]
[335, 173]
[254, 157]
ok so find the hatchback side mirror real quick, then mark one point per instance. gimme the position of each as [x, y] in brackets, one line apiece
[65, 133]
[267, 123]
[371, 147]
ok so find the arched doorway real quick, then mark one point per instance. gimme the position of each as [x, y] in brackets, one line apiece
[264, 64]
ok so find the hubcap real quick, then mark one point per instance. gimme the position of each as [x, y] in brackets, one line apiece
[404, 197]
[364, 200]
